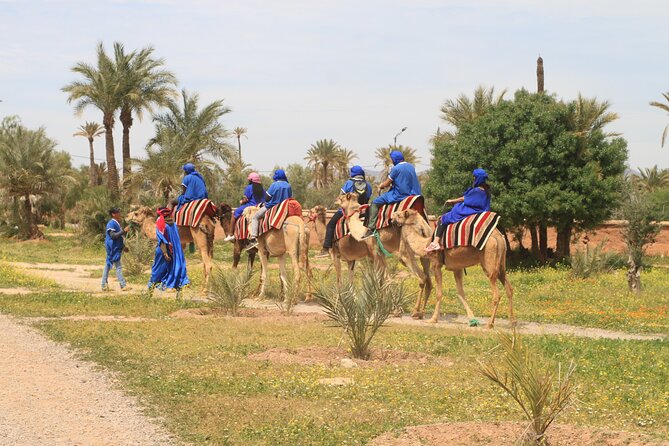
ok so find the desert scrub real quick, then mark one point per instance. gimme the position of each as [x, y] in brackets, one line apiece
[540, 393]
[592, 261]
[228, 288]
[361, 309]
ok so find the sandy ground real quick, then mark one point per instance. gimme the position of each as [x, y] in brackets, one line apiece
[48, 397]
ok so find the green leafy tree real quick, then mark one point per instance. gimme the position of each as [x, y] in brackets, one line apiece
[539, 170]
[99, 87]
[90, 131]
[32, 170]
[382, 154]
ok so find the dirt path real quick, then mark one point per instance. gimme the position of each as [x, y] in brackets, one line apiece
[48, 397]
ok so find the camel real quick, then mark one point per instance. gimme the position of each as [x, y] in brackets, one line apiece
[291, 239]
[227, 221]
[417, 234]
[317, 223]
[391, 240]
[203, 235]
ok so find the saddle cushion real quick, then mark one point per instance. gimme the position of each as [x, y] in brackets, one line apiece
[416, 202]
[191, 213]
[474, 230]
[275, 217]
[241, 231]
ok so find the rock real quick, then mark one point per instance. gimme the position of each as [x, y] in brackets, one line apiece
[338, 381]
[348, 363]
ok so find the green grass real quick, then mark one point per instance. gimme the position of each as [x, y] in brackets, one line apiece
[60, 303]
[68, 250]
[10, 277]
[197, 375]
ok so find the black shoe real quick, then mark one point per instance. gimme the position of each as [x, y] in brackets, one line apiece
[253, 243]
[368, 234]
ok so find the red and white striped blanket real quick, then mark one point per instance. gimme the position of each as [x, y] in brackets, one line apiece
[474, 230]
[275, 217]
[241, 230]
[342, 230]
[190, 214]
[416, 202]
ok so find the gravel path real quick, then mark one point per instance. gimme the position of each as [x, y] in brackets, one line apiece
[49, 397]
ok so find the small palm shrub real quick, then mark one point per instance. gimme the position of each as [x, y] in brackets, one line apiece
[590, 262]
[228, 288]
[541, 393]
[361, 309]
[139, 255]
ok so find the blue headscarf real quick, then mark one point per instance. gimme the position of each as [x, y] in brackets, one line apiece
[480, 177]
[279, 174]
[397, 157]
[357, 170]
[189, 168]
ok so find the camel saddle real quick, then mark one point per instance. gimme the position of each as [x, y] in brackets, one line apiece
[415, 202]
[241, 229]
[275, 217]
[342, 230]
[191, 213]
[474, 230]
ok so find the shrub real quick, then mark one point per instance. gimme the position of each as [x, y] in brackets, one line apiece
[139, 255]
[361, 309]
[540, 393]
[228, 288]
[590, 262]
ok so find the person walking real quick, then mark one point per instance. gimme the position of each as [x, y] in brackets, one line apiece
[114, 244]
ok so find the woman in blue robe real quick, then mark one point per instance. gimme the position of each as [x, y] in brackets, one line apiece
[475, 200]
[169, 264]
[193, 186]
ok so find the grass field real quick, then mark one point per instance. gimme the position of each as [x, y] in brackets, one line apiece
[197, 373]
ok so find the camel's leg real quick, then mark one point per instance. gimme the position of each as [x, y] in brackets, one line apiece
[336, 261]
[282, 276]
[495, 298]
[250, 258]
[423, 279]
[459, 279]
[236, 253]
[200, 238]
[426, 264]
[351, 267]
[509, 293]
[264, 268]
[439, 290]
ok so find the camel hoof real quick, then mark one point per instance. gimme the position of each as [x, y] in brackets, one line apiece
[417, 315]
[433, 320]
[513, 323]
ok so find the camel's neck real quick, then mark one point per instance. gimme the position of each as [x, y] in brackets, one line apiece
[417, 236]
[149, 227]
[355, 226]
[320, 224]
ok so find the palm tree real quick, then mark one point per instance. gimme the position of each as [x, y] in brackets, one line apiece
[651, 179]
[664, 107]
[99, 88]
[590, 115]
[91, 130]
[32, 170]
[324, 157]
[145, 85]
[383, 155]
[344, 161]
[464, 110]
[239, 132]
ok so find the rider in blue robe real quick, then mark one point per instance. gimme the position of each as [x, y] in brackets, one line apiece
[254, 194]
[169, 264]
[278, 191]
[475, 200]
[403, 183]
[193, 185]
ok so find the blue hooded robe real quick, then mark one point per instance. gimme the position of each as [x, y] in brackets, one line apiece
[169, 274]
[194, 184]
[279, 190]
[357, 184]
[113, 247]
[476, 201]
[405, 181]
[252, 201]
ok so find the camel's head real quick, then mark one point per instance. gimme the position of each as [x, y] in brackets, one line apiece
[404, 218]
[348, 202]
[225, 217]
[139, 214]
[317, 213]
[249, 212]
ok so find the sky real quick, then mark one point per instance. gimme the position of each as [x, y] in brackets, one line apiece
[357, 72]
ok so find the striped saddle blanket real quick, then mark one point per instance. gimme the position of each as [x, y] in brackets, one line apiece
[342, 230]
[241, 230]
[416, 202]
[190, 214]
[470, 231]
[275, 217]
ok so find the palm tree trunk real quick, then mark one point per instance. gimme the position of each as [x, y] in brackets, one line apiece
[543, 241]
[239, 147]
[126, 119]
[540, 75]
[92, 180]
[112, 173]
[31, 228]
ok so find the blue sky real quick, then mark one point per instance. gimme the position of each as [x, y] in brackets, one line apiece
[294, 72]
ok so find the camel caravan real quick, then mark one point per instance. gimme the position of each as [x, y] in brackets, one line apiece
[271, 224]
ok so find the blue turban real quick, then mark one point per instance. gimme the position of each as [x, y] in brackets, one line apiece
[279, 174]
[480, 177]
[357, 170]
[397, 157]
[189, 168]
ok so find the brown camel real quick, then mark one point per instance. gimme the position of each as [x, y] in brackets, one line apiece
[391, 240]
[417, 234]
[227, 221]
[202, 235]
[316, 223]
[291, 239]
